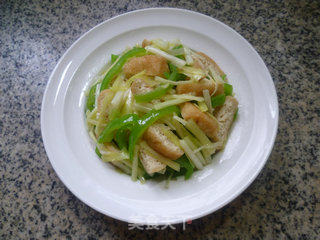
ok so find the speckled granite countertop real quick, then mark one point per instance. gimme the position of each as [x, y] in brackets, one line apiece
[284, 201]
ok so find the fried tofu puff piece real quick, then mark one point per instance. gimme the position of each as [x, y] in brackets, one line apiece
[197, 87]
[150, 163]
[207, 123]
[162, 141]
[153, 66]
[225, 117]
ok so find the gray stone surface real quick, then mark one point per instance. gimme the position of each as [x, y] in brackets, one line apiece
[283, 203]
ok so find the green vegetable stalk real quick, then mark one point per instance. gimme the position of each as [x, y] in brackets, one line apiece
[116, 68]
[185, 164]
[91, 98]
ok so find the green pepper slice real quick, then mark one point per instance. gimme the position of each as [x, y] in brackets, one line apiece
[114, 58]
[91, 97]
[228, 89]
[108, 131]
[121, 137]
[116, 69]
[178, 46]
[156, 93]
[218, 100]
[98, 152]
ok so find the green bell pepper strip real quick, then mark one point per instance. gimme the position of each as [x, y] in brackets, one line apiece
[154, 94]
[218, 100]
[91, 98]
[185, 163]
[160, 90]
[167, 75]
[174, 72]
[121, 137]
[146, 121]
[228, 89]
[172, 68]
[114, 58]
[116, 68]
[181, 57]
[108, 131]
[173, 76]
[177, 47]
[181, 77]
[236, 115]
[98, 152]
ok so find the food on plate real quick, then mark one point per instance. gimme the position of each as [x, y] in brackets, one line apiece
[160, 110]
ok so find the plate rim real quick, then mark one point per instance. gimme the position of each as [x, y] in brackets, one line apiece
[170, 11]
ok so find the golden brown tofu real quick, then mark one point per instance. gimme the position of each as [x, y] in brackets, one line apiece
[157, 140]
[205, 61]
[197, 87]
[152, 64]
[207, 123]
[225, 116]
[150, 164]
[145, 43]
[220, 88]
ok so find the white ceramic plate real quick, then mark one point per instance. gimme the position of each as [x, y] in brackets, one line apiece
[97, 184]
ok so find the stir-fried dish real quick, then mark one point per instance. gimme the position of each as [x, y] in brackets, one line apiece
[160, 110]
